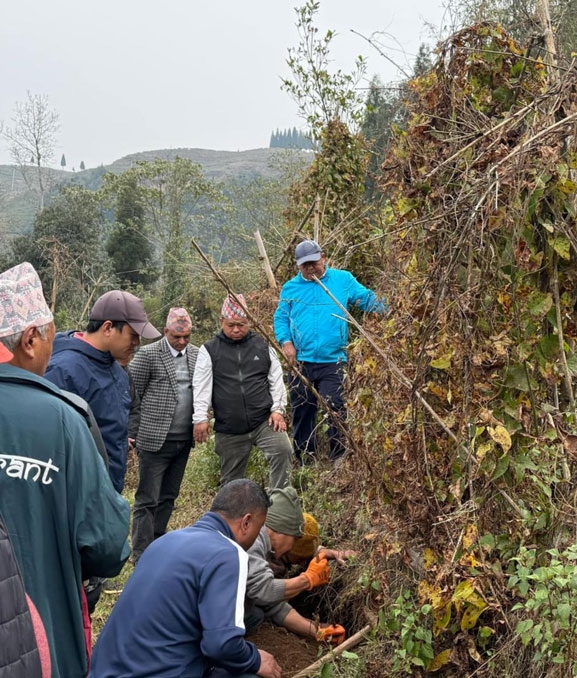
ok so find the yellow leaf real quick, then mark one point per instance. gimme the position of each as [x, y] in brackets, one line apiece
[429, 558]
[470, 536]
[450, 420]
[470, 616]
[436, 598]
[482, 450]
[388, 445]
[466, 593]
[501, 436]
[413, 264]
[440, 660]
[437, 390]
[371, 364]
[443, 362]
[441, 619]
[424, 591]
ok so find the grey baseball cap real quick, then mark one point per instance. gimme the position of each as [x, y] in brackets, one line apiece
[119, 305]
[307, 250]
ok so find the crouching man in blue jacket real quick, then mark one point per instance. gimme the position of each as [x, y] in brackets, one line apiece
[181, 612]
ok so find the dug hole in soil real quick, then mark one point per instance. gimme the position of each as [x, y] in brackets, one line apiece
[294, 653]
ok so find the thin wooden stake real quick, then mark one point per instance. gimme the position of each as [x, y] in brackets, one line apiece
[300, 227]
[353, 641]
[317, 219]
[265, 261]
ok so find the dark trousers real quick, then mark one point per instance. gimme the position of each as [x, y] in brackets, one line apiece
[328, 379]
[223, 673]
[159, 479]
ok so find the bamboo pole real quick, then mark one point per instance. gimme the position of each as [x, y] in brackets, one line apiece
[298, 230]
[265, 261]
[544, 18]
[353, 641]
[317, 219]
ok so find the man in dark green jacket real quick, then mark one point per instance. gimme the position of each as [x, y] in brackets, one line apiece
[64, 518]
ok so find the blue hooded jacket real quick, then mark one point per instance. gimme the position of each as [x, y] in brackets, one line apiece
[94, 375]
[181, 612]
[313, 322]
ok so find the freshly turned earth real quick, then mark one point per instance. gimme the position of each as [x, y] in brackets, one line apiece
[291, 652]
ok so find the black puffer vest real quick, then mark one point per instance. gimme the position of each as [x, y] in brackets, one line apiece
[241, 397]
[19, 657]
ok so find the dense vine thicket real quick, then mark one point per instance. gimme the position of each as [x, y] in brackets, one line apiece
[466, 414]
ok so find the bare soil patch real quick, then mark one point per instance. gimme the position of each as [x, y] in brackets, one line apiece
[292, 652]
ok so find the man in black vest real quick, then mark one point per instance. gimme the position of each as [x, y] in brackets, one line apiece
[240, 376]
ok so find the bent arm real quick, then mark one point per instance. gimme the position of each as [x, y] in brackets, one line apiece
[281, 321]
[365, 299]
[101, 515]
[202, 386]
[139, 370]
[276, 384]
[221, 610]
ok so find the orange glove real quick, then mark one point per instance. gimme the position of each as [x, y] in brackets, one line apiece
[333, 634]
[318, 572]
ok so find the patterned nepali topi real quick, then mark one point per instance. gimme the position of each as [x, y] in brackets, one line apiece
[231, 309]
[178, 320]
[22, 302]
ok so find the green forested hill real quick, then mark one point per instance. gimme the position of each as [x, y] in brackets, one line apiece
[18, 204]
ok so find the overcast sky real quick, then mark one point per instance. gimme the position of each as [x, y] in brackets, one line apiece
[134, 75]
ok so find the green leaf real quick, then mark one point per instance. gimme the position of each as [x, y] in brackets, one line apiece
[562, 246]
[524, 626]
[549, 347]
[539, 304]
[564, 612]
[501, 466]
[517, 378]
[349, 655]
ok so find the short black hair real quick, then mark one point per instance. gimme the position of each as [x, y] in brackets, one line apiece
[239, 497]
[95, 325]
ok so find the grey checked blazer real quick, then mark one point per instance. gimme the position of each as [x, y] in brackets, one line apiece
[152, 370]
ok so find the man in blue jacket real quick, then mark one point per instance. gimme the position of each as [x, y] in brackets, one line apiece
[181, 612]
[310, 327]
[87, 363]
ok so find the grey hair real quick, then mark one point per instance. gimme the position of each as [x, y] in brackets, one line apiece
[12, 340]
[240, 497]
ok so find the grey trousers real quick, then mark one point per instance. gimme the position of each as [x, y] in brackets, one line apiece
[233, 451]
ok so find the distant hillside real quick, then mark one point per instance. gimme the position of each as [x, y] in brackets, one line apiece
[18, 205]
